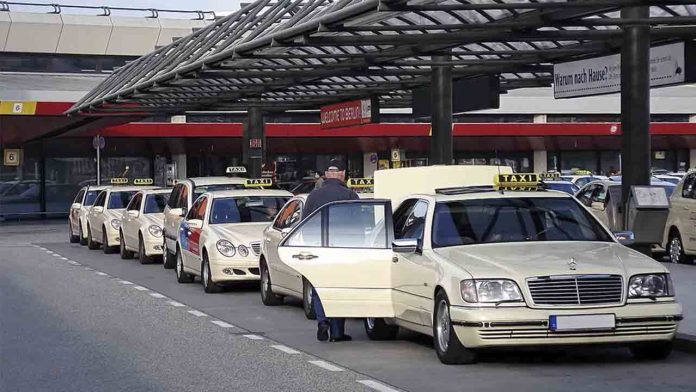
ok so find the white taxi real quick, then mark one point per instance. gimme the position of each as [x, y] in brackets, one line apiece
[680, 229]
[78, 212]
[220, 238]
[104, 217]
[479, 267]
[141, 225]
[185, 192]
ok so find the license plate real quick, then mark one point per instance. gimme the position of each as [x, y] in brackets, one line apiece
[582, 322]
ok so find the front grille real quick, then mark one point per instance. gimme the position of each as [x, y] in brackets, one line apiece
[621, 330]
[576, 289]
[256, 248]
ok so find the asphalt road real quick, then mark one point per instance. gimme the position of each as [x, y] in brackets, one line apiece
[72, 319]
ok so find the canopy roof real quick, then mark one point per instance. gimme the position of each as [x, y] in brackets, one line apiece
[301, 54]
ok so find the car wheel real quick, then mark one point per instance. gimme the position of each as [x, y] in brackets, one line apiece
[181, 275]
[675, 250]
[91, 244]
[449, 349]
[652, 351]
[206, 277]
[142, 256]
[267, 296]
[378, 329]
[125, 253]
[73, 238]
[307, 303]
[168, 259]
[83, 238]
[105, 243]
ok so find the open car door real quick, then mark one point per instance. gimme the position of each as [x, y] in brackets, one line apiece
[344, 250]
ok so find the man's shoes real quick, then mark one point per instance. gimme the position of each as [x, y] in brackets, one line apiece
[323, 331]
[344, 338]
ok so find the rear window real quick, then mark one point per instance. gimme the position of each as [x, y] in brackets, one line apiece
[246, 209]
[201, 189]
[90, 198]
[119, 199]
[155, 204]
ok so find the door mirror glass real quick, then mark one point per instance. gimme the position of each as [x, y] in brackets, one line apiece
[76, 206]
[98, 209]
[134, 213]
[195, 223]
[625, 237]
[407, 245]
[285, 231]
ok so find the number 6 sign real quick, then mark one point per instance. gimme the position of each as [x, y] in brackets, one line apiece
[12, 156]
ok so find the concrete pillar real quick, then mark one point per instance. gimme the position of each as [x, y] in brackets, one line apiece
[180, 161]
[254, 142]
[692, 159]
[441, 143]
[540, 118]
[540, 161]
[369, 168]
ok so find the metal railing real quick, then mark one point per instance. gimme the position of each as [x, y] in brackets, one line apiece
[106, 10]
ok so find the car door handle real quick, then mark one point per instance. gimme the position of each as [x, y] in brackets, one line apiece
[304, 256]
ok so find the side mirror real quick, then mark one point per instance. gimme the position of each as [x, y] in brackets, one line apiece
[409, 245]
[133, 213]
[76, 206]
[598, 205]
[625, 237]
[194, 223]
[98, 209]
[183, 212]
[285, 231]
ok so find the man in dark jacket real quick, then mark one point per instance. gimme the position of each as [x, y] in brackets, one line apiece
[333, 189]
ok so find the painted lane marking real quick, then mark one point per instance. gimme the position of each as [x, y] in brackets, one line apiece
[140, 288]
[124, 282]
[197, 313]
[377, 386]
[101, 273]
[222, 324]
[73, 262]
[327, 366]
[176, 304]
[285, 349]
[63, 258]
[253, 337]
[157, 295]
[89, 269]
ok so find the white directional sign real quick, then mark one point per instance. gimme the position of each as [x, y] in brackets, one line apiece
[602, 75]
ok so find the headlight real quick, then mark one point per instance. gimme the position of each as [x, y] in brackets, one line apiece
[116, 224]
[226, 248]
[651, 286]
[243, 250]
[490, 291]
[155, 230]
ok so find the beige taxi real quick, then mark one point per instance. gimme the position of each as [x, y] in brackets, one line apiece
[480, 266]
[219, 240]
[680, 229]
[77, 215]
[141, 225]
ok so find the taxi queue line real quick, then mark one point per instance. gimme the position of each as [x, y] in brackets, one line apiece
[501, 265]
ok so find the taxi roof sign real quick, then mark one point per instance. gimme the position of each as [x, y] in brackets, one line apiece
[236, 170]
[143, 181]
[119, 181]
[258, 182]
[517, 181]
[550, 175]
[361, 183]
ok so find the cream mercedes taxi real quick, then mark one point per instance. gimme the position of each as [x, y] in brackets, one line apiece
[104, 217]
[680, 230]
[220, 237]
[141, 225]
[185, 192]
[479, 266]
[78, 212]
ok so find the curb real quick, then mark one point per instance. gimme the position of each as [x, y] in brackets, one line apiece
[685, 343]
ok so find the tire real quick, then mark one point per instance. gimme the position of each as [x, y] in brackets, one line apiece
[656, 351]
[449, 349]
[105, 243]
[675, 250]
[83, 238]
[378, 329]
[125, 253]
[168, 259]
[307, 304]
[181, 275]
[209, 286]
[142, 257]
[73, 238]
[267, 296]
[91, 244]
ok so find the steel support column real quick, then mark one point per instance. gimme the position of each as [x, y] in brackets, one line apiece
[635, 102]
[254, 142]
[441, 129]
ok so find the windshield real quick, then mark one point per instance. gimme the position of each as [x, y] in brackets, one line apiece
[90, 197]
[201, 189]
[154, 204]
[119, 199]
[568, 188]
[486, 221]
[245, 209]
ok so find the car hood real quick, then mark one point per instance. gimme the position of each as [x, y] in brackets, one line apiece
[528, 259]
[239, 233]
